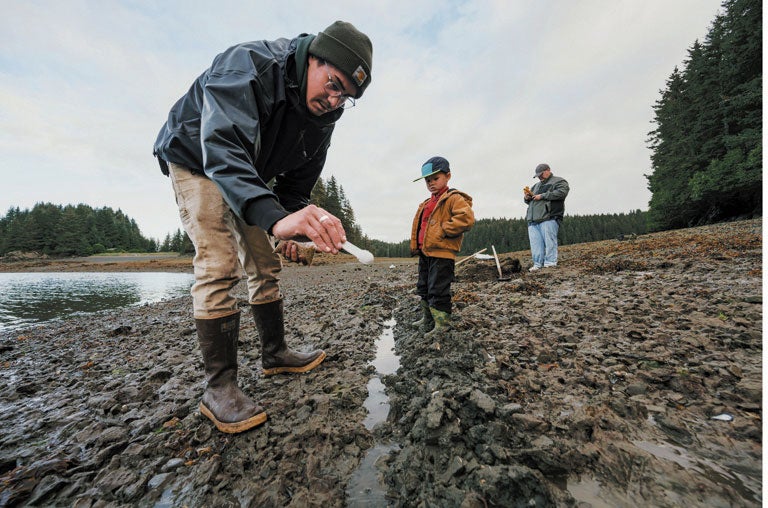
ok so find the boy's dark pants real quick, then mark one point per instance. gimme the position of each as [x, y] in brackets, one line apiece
[434, 284]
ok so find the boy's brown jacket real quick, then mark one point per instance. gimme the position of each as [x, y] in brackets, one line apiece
[451, 218]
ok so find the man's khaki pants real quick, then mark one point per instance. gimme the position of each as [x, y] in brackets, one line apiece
[224, 247]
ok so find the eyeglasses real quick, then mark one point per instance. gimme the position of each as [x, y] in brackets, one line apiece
[335, 90]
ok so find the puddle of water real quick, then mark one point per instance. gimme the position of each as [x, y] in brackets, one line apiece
[364, 489]
[377, 403]
[386, 362]
[587, 490]
[747, 487]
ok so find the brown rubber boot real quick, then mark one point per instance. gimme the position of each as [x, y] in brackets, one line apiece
[223, 402]
[275, 355]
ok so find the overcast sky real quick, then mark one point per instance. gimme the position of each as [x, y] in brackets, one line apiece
[496, 87]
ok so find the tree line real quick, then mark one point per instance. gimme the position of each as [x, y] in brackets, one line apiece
[79, 230]
[511, 235]
[71, 230]
[707, 144]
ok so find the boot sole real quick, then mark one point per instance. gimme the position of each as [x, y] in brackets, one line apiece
[296, 370]
[235, 427]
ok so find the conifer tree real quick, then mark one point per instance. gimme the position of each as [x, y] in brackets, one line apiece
[707, 144]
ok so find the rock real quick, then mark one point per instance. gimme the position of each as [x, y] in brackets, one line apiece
[750, 390]
[483, 402]
[636, 389]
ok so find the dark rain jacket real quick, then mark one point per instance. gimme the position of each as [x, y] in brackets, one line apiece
[244, 122]
[451, 218]
[551, 206]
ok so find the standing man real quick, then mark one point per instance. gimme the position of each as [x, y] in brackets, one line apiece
[546, 206]
[263, 112]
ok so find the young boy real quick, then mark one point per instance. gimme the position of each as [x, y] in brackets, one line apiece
[436, 235]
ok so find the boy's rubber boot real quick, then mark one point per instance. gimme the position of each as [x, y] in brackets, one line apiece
[442, 323]
[275, 355]
[427, 322]
[223, 402]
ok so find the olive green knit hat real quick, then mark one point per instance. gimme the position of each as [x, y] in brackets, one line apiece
[348, 49]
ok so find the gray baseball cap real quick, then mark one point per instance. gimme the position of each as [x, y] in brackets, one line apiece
[540, 169]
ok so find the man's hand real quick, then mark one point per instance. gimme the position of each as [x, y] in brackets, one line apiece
[296, 252]
[314, 224]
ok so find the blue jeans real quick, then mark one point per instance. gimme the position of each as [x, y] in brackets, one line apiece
[543, 238]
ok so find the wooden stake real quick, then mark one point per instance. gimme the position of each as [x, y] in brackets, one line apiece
[471, 256]
[498, 265]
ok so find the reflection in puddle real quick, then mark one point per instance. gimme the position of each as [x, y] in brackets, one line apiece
[742, 479]
[386, 362]
[587, 490]
[364, 488]
[746, 486]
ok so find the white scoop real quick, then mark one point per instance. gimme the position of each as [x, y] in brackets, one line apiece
[363, 256]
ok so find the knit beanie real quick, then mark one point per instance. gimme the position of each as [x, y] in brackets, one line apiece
[348, 49]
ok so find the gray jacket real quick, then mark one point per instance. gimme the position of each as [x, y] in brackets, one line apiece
[553, 191]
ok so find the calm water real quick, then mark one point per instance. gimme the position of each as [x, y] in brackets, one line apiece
[30, 298]
[365, 490]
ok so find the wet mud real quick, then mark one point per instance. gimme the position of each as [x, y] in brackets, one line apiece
[630, 375]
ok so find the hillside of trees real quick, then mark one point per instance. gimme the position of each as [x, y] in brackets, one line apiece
[707, 145]
[71, 230]
[80, 230]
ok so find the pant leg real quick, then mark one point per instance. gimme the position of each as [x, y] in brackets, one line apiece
[536, 238]
[422, 282]
[207, 220]
[439, 279]
[549, 232]
[261, 264]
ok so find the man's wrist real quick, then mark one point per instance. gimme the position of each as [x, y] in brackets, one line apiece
[264, 213]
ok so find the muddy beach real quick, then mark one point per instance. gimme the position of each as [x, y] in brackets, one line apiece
[628, 376]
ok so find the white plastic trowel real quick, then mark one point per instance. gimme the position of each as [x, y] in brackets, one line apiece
[364, 256]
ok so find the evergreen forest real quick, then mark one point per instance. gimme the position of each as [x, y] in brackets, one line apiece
[707, 145]
[71, 230]
[62, 231]
[511, 235]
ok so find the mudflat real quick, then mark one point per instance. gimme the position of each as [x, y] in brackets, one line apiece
[630, 375]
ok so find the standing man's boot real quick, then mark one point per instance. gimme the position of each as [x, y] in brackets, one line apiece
[427, 322]
[223, 402]
[442, 323]
[275, 355]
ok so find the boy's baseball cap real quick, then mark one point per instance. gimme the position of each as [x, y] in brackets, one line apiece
[433, 166]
